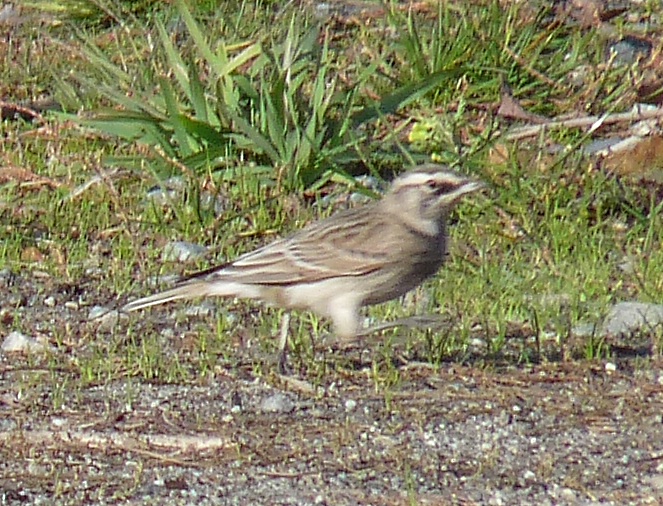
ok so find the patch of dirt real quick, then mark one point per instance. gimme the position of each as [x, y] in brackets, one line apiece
[557, 433]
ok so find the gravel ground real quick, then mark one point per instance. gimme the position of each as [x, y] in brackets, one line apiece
[554, 433]
[551, 434]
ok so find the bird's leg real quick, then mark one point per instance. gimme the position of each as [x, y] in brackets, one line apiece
[283, 343]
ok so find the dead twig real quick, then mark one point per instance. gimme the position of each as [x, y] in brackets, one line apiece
[593, 122]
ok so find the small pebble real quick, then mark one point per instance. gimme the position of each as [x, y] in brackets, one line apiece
[277, 403]
[628, 50]
[529, 475]
[96, 312]
[19, 342]
[105, 319]
[182, 251]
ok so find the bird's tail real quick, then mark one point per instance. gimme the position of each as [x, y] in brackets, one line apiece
[194, 288]
[185, 291]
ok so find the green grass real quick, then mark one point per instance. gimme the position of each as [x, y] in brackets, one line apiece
[538, 254]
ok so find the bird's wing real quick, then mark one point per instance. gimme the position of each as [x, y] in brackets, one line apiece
[350, 243]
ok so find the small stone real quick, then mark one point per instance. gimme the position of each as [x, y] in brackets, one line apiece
[59, 422]
[277, 403]
[600, 146]
[610, 367]
[627, 317]
[182, 251]
[628, 50]
[350, 405]
[529, 475]
[19, 342]
[105, 319]
[96, 312]
[49, 301]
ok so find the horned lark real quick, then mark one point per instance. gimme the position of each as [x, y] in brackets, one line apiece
[355, 258]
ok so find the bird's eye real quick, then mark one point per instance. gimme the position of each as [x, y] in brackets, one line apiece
[439, 187]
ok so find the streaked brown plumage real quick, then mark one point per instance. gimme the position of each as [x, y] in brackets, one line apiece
[355, 258]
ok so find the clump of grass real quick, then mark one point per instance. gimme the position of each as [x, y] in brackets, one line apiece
[284, 106]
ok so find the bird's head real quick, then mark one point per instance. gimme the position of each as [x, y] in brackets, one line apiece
[423, 196]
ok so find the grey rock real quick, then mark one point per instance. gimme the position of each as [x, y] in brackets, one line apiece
[277, 403]
[18, 342]
[182, 251]
[602, 145]
[629, 317]
[97, 312]
[628, 50]
[105, 319]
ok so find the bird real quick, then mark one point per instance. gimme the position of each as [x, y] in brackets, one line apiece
[335, 266]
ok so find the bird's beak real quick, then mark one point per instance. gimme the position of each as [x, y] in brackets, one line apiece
[469, 186]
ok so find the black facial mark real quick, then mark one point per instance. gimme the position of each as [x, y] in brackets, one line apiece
[441, 187]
